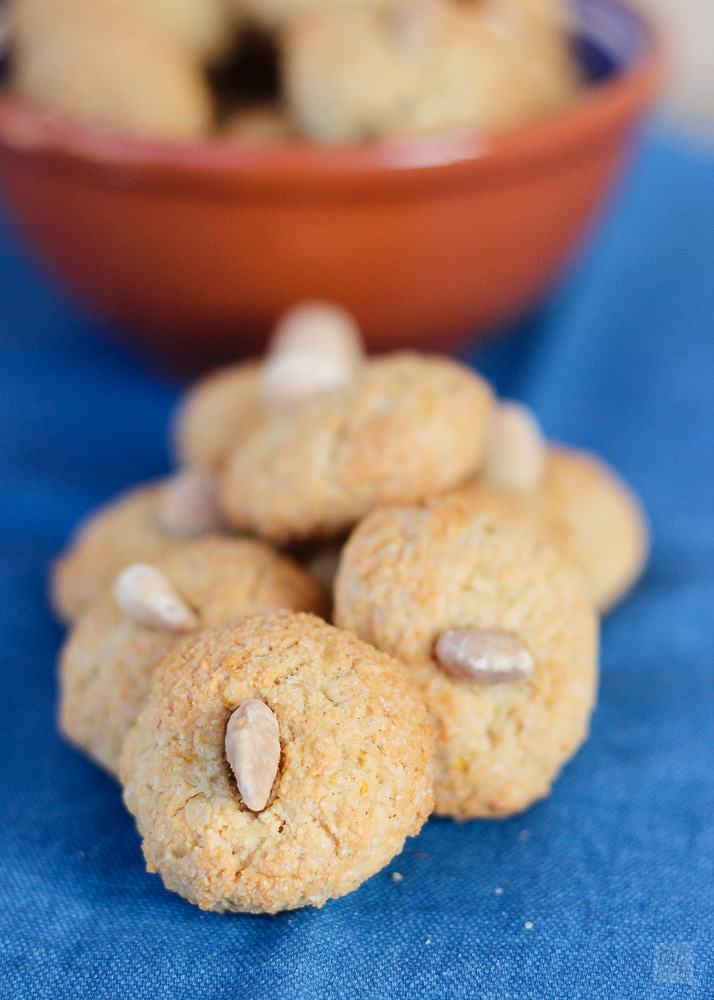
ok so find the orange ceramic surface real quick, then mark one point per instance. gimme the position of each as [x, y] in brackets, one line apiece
[195, 249]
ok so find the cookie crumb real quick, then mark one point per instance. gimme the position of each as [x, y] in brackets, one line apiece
[528, 925]
[428, 941]
[498, 892]
[396, 877]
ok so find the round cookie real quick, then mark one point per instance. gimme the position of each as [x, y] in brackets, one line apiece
[135, 527]
[123, 531]
[314, 346]
[354, 777]
[108, 661]
[107, 67]
[199, 28]
[405, 426]
[410, 575]
[216, 414]
[275, 16]
[429, 66]
[586, 510]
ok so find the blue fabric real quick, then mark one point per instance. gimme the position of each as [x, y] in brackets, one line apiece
[604, 890]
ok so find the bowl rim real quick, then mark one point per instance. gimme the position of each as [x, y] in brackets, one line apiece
[220, 162]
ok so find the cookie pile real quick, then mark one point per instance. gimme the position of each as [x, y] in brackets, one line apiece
[265, 71]
[370, 591]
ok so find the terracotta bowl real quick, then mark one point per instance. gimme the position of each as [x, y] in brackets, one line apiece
[194, 249]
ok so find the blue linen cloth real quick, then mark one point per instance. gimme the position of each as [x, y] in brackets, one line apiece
[604, 890]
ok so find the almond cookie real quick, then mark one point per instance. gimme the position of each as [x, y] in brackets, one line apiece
[427, 66]
[404, 426]
[199, 28]
[586, 510]
[276, 764]
[216, 414]
[274, 16]
[139, 526]
[315, 346]
[105, 66]
[109, 659]
[499, 633]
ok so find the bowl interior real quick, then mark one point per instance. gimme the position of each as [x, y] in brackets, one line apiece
[609, 39]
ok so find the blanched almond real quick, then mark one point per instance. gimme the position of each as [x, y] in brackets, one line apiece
[253, 751]
[515, 451]
[189, 504]
[315, 347]
[144, 594]
[484, 657]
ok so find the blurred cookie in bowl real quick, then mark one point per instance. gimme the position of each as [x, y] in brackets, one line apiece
[104, 64]
[427, 66]
[202, 29]
[276, 16]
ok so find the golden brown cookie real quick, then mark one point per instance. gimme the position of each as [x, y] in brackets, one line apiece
[199, 28]
[108, 661]
[353, 778]
[106, 65]
[274, 16]
[510, 699]
[314, 346]
[427, 66]
[216, 414]
[139, 526]
[404, 426]
[586, 510]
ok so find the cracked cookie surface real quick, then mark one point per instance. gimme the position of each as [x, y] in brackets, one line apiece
[408, 575]
[108, 661]
[354, 777]
[404, 427]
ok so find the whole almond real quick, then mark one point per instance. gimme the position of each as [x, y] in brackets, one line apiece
[482, 656]
[253, 751]
[515, 450]
[144, 594]
[315, 347]
[189, 504]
